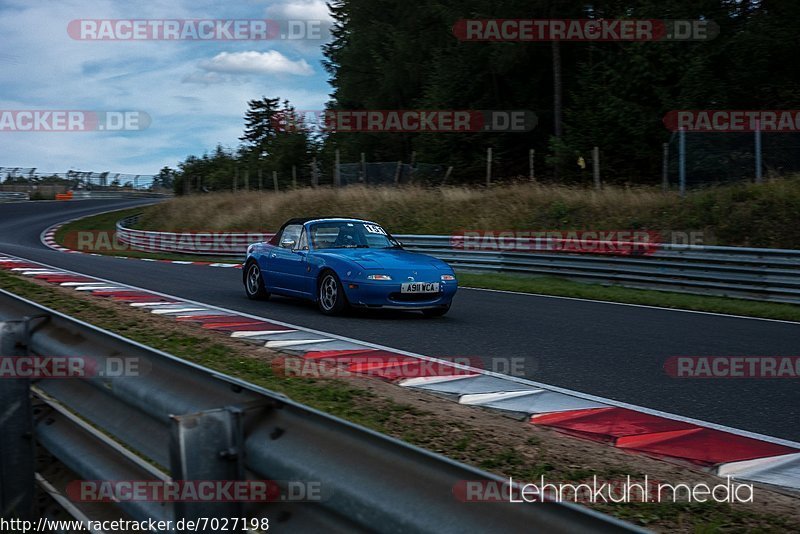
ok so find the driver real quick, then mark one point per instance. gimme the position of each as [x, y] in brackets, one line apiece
[347, 237]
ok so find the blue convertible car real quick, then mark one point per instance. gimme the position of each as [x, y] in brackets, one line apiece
[340, 262]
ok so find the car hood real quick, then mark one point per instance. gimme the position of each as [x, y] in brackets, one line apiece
[386, 258]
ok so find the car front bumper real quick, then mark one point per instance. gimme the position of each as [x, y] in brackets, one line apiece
[387, 294]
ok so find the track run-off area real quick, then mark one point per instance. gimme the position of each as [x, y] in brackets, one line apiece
[615, 351]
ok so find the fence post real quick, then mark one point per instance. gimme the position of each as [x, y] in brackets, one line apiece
[682, 160]
[260, 180]
[759, 178]
[488, 166]
[363, 168]
[397, 172]
[531, 168]
[337, 178]
[596, 167]
[247, 179]
[236, 179]
[314, 173]
[665, 167]
[275, 180]
[207, 446]
[447, 174]
[294, 177]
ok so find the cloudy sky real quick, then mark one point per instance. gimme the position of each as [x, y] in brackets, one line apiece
[195, 92]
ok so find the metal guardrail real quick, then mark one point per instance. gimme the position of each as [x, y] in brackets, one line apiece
[748, 273]
[13, 196]
[182, 419]
[739, 272]
[116, 194]
[199, 243]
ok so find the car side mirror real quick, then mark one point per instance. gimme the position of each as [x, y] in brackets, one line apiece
[288, 243]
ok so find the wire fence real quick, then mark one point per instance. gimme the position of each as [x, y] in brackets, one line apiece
[715, 158]
[75, 179]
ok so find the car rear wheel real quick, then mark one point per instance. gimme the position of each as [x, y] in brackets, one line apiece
[254, 283]
[436, 312]
[330, 297]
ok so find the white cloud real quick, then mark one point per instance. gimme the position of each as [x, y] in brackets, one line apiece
[192, 108]
[300, 10]
[252, 62]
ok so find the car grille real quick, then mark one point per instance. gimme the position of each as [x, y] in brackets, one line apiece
[414, 297]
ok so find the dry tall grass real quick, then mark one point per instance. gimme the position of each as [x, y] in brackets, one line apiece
[766, 215]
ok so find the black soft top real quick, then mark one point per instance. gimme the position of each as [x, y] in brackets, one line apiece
[300, 220]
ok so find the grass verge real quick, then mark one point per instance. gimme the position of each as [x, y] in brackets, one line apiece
[485, 439]
[737, 215]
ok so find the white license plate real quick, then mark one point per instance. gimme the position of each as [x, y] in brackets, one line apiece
[419, 287]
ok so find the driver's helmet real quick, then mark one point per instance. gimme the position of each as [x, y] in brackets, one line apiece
[347, 237]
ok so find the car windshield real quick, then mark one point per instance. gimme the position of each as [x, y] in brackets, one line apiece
[344, 234]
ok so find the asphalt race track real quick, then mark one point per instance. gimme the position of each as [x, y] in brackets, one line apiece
[609, 350]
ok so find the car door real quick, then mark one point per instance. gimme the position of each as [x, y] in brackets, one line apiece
[288, 261]
[298, 273]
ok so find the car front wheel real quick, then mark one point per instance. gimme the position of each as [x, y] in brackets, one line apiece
[254, 283]
[330, 297]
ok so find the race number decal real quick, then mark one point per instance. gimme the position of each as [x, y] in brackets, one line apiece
[374, 229]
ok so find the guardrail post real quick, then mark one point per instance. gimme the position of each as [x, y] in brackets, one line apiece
[16, 431]
[207, 446]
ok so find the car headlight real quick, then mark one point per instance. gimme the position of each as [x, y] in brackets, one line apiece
[379, 277]
[448, 277]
